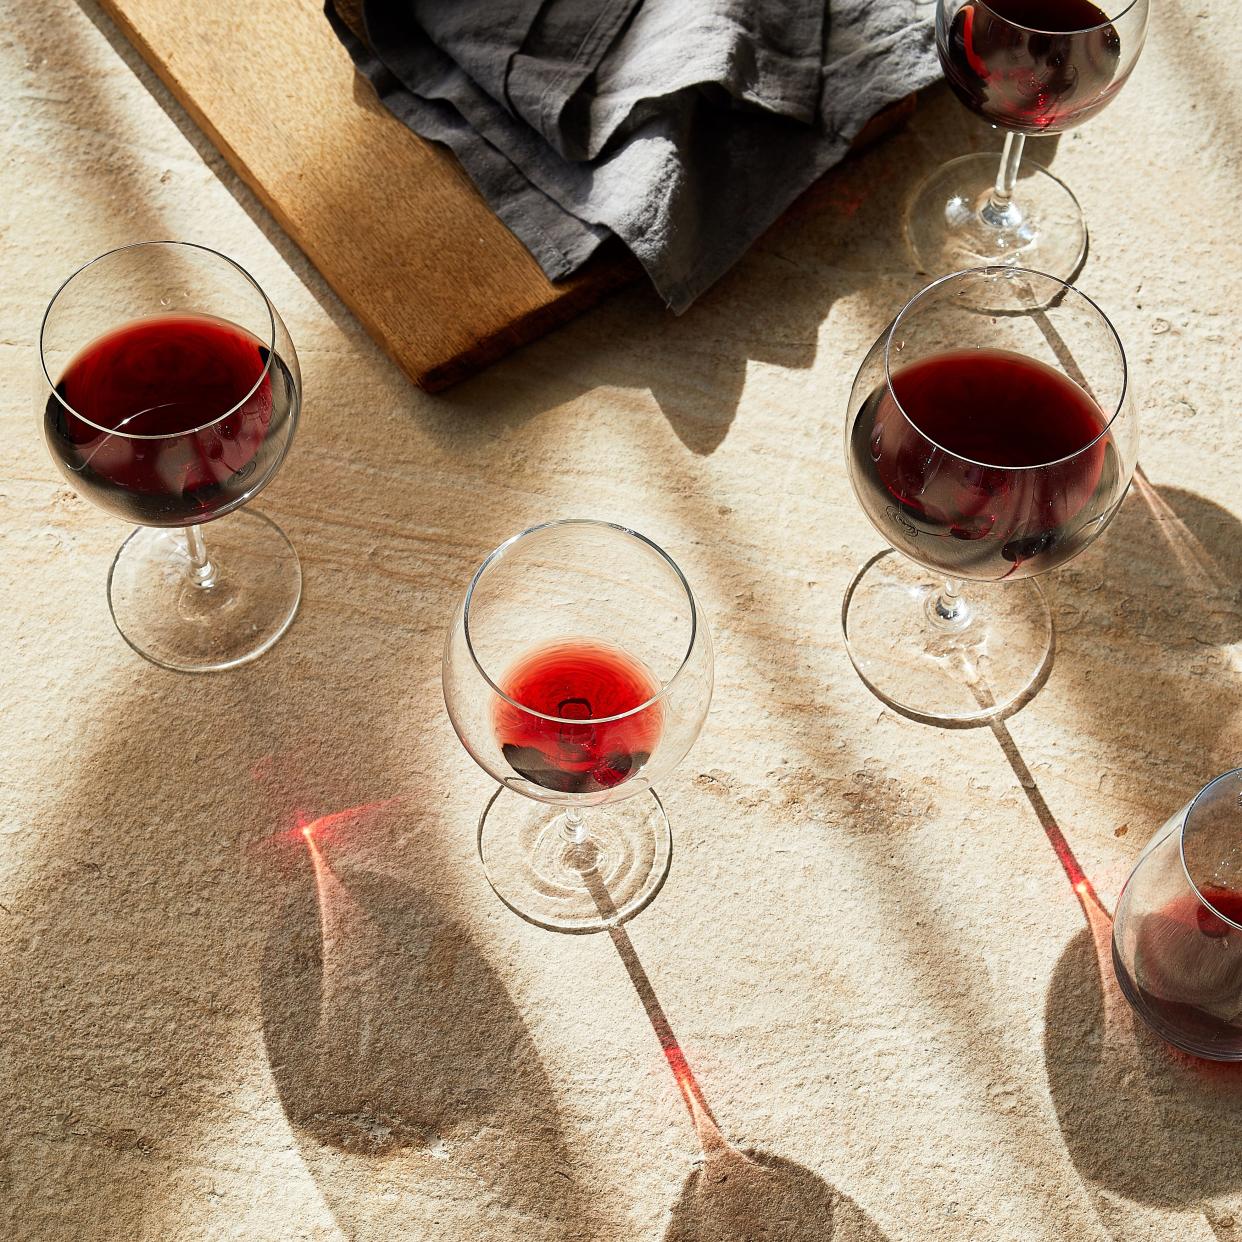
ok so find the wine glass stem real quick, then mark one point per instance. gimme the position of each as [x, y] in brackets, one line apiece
[575, 826]
[999, 209]
[949, 608]
[202, 571]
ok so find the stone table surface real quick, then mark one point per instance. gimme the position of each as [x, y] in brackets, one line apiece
[877, 970]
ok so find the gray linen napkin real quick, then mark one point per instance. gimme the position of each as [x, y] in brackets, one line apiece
[687, 178]
[560, 241]
[764, 52]
[530, 56]
[537, 59]
[480, 35]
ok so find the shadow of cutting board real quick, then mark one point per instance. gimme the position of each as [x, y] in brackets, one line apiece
[390, 220]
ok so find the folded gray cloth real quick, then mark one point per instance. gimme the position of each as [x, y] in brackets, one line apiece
[765, 52]
[560, 242]
[699, 123]
[480, 37]
[536, 59]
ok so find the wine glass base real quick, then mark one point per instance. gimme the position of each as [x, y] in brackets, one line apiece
[984, 666]
[948, 227]
[578, 883]
[173, 622]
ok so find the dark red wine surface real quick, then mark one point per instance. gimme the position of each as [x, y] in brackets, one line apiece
[938, 478]
[163, 382]
[1034, 66]
[581, 681]
[1188, 964]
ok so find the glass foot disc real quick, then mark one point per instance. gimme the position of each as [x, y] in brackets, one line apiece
[176, 624]
[988, 667]
[543, 874]
[946, 232]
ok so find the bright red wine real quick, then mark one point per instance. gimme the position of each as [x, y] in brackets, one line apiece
[581, 681]
[164, 382]
[1034, 66]
[932, 497]
[1190, 962]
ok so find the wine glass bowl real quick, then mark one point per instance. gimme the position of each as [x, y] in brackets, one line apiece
[1037, 67]
[577, 673]
[179, 462]
[977, 444]
[168, 394]
[1029, 67]
[990, 437]
[1177, 933]
[599, 739]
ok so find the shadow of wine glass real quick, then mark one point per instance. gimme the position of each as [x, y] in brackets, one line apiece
[1180, 580]
[1141, 1121]
[746, 1196]
[734, 1195]
[1138, 1118]
[1147, 618]
[392, 1041]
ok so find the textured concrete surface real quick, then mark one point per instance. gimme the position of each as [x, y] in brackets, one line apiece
[867, 949]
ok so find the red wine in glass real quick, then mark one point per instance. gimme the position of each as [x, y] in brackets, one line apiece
[1033, 66]
[993, 466]
[582, 682]
[203, 418]
[1190, 985]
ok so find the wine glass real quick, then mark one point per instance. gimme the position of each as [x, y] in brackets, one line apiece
[1177, 935]
[578, 673]
[168, 394]
[990, 437]
[1029, 67]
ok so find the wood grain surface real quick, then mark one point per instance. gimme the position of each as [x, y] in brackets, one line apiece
[390, 220]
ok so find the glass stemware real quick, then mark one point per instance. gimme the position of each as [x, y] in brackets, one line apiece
[1177, 935]
[578, 673]
[990, 436]
[1030, 67]
[168, 392]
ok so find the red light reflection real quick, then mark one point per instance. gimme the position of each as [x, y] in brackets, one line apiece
[710, 1138]
[1078, 878]
[326, 828]
[708, 1132]
[325, 824]
[330, 897]
[345, 927]
[341, 919]
[1080, 882]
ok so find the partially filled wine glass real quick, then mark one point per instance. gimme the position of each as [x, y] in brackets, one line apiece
[578, 673]
[1177, 935]
[990, 436]
[1030, 67]
[168, 394]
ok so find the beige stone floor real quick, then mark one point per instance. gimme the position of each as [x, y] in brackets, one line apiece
[867, 949]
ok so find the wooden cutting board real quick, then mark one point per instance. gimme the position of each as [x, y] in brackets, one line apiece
[390, 220]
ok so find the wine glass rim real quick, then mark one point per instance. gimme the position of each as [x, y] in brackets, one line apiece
[187, 431]
[624, 530]
[1235, 773]
[1079, 30]
[1024, 271]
